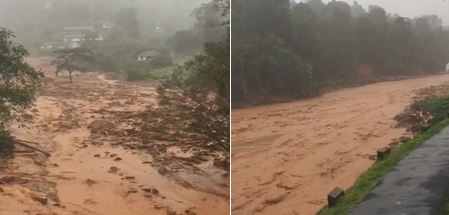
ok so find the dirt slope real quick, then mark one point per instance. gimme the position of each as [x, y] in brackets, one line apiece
[287, 157]
[98, 164]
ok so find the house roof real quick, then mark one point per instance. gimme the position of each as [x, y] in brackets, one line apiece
[149, 53]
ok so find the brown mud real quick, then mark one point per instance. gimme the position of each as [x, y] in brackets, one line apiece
[98, 162]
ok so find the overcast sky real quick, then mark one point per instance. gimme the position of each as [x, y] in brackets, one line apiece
[410, 8]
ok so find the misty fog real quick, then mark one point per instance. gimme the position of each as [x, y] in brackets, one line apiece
[408, 8]
[32, 20]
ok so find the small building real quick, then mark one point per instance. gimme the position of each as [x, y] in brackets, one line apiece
[78, 37]
[147, 55]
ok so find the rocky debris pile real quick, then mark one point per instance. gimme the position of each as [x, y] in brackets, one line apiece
[414, 120]
[429, 93]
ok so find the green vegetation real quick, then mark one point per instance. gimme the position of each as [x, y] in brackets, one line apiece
[118, 31]
[20, 83]
[283, 49]
[203, 84]
[438, 106]
[141, 73]
[122, 46]
[374, 175]
[71, 60]
[162, 73]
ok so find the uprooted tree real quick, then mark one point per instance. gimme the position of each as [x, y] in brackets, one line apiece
[19, 83]
[71, 60]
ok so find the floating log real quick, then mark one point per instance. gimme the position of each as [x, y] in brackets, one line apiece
[27, 144]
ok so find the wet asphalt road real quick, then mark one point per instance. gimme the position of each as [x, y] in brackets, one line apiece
[418, 185]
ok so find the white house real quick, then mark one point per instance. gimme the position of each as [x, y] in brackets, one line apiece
[47, 46]
[147, 55]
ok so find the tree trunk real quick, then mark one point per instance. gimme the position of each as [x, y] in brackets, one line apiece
[70, 75]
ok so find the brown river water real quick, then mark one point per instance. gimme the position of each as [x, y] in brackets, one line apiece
[95, 175]
[287, 157]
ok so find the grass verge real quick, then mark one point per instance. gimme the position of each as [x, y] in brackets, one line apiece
[162, 73]
[375, 173]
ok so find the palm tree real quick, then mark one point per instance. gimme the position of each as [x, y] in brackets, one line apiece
[78, 59]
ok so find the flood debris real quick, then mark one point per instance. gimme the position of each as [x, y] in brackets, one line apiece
[113, 169]
[90, 182]
[98, 126]
[95, 139]
[42, 199]
[28, 145]
[423, 111]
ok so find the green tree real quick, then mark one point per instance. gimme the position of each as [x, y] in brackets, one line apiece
[70, 60]
[210, 22]
[19, 84]
[326, 45]
[198, 94]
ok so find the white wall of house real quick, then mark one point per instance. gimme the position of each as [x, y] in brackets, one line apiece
[140, 58]
[144, 58]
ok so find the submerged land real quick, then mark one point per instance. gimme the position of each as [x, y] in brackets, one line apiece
[91, 157]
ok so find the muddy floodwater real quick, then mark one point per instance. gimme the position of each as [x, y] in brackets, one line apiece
[287, 157]
[97, 163]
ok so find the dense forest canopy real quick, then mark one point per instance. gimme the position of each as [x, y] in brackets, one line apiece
[284, 50]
